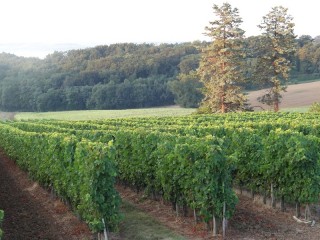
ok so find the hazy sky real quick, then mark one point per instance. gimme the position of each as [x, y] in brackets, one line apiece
[38, 27]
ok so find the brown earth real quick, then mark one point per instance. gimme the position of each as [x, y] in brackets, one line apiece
[251, 221]
[298, 95]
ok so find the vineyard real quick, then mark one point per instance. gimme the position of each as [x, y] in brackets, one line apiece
[194, 162]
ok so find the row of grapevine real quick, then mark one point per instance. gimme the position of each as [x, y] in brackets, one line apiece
[279, 157]
[201, 125]
[285, 164]
[194, 161]
[185, 170]
[81, 172]
[260, 134]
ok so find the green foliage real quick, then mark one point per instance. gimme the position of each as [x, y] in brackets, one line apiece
[221, 66]
[1, 219]
[277, 48]
[79, 171]
[187, 90]
[309, 57]
[246, 153]
[94, 191]
[315, 108]
[193, 161]
[131, 75]
[105, 77]
[294, 159]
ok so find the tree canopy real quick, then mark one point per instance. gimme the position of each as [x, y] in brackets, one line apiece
[105, 77]
[129, 75]
[221, 67]
[276, 54]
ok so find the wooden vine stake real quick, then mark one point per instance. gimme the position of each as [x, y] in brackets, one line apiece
[298, 209]
[273, 201]
[224, 221]
[282, 206]
[214, 226]
[105, 230]
[177, 210]
[265, 197]
[307, 213]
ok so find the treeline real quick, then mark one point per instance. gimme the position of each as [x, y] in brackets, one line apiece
[121, 76]
[104, 77]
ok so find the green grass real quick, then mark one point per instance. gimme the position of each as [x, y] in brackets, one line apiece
[296, 109]
[103, 114]
[304, 78]
[139, 226]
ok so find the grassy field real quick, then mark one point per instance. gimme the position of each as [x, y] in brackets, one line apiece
[295, 109]
[139, 226]
[298, 98]
[102, 114]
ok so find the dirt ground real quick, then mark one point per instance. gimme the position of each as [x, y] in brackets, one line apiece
[33, 213]
[298, 95]
[251, 221]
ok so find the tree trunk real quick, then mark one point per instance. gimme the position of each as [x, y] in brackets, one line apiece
[273, 200]
[276, 106]
[173, 204]
[307, 212]
[252, 194]
[265, 197]
[276, 103]
[298, 209]
[282, 207]
[224, 221]
[185, 210]
[177, 209]
[223, 107]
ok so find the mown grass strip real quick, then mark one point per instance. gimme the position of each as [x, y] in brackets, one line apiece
[103, 114]
[137, 225]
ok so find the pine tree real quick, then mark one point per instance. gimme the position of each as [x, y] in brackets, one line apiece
[275, 60]
[221, 65]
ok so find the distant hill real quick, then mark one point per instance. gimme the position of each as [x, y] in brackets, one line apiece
[298, 95]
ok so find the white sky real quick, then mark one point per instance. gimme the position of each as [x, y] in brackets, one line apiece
[38, 27]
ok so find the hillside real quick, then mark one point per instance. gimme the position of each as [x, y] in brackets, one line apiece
[122, 76]
[298, 95]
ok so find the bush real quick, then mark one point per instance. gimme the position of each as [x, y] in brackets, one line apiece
[315, 108]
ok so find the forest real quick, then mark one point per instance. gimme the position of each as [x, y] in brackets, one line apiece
[125, 75]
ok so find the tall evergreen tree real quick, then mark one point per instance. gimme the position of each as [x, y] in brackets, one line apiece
[220, 67]
[275, 60]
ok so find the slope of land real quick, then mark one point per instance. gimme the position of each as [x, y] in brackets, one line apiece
[298, 95]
